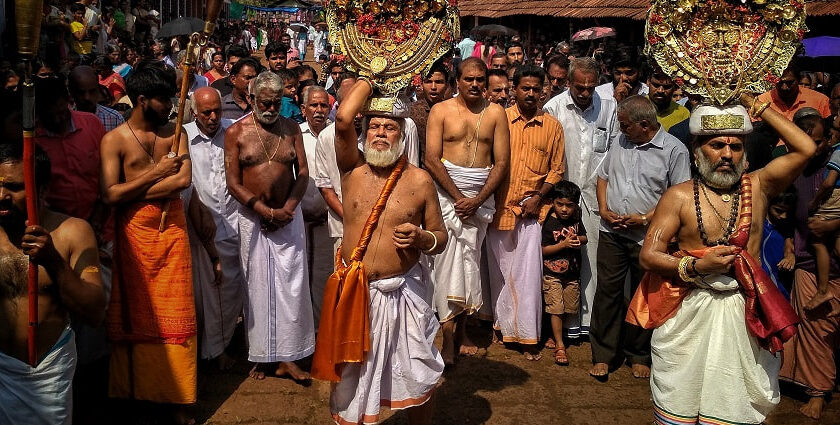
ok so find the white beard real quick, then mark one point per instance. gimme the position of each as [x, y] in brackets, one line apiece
[266, 118]
[718, 179]
[385, 158]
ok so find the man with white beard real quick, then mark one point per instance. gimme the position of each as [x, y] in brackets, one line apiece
[265, 164]
[718, 319]
[377, 330]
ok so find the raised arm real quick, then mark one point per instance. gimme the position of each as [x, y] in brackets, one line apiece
[434, 152]
[776, 176]
[346, 140]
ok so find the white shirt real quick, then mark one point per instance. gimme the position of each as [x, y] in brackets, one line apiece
[607, 90]
[312, 204]
[326, 170]
[588, 135]
[208, 177]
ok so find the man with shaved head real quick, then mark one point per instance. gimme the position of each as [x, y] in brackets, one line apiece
[220, 295]
[267, 172]
[85, 91]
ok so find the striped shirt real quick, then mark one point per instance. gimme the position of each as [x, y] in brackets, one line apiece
[536, 157]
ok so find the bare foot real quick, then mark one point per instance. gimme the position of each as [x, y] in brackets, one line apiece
[447, 350]
[813, 408]
[497, 337]
[641, 371]
[257, 372]
[225, 362]
[820, 298]
[532, 353]
[468, 348]
[599, 370]
[550, 344]
[291, 369]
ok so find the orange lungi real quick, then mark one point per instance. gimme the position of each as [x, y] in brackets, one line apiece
[151, 316]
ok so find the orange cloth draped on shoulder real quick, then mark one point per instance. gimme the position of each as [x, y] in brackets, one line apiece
[152, 294]
[344, 330]
[770, 318]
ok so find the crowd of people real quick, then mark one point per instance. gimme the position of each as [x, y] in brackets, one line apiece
[514, 186]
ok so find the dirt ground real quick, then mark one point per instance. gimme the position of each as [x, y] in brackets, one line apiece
[497, 387]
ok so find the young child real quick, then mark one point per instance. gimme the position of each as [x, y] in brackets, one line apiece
[563, 235]
[777, 256]
[825, 206]
[289, 109]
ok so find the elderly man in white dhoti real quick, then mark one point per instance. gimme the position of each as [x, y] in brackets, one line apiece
[718, 318]
[377, 330]
[217, 277]
[267, 172]
[467, 153]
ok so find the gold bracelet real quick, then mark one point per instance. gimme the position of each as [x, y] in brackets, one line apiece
[434, 245]
[756, 113]
[682, 269]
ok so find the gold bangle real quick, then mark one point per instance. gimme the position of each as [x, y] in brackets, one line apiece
[682, 269]
[434, 245]
[756, 113]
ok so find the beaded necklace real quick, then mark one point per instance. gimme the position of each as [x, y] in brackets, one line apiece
[733, 217]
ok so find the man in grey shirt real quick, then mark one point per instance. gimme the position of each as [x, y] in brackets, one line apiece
[631, 179]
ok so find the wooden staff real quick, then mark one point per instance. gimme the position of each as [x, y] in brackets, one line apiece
[196, 42]
[28, 22]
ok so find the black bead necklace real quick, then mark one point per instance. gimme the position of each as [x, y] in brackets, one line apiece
[733, 217]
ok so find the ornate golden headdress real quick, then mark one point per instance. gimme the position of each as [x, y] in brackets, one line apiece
[720, 48]
[390, 41]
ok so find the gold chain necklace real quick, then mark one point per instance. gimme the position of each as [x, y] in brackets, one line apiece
[262, 143]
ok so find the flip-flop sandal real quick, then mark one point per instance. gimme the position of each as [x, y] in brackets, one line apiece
[550, 344]
[560, 357]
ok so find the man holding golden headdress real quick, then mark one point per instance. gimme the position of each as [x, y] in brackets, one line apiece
[707, 366]
[393, 206]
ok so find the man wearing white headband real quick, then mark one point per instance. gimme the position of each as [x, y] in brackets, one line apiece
[707, 366]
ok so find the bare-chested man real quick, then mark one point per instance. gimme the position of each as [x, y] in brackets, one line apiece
[151, 316]
[266, 168]
[68, 277]
[707, 365]
[467, 154]
[402, 324]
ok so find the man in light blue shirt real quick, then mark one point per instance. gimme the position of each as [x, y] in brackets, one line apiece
[635, 173]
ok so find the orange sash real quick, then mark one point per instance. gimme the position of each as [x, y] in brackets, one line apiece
[344, 330]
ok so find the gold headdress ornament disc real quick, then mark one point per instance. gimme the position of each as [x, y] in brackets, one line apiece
[720, 48]
[391, 41]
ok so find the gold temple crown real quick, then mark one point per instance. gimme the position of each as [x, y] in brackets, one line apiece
[721, 122]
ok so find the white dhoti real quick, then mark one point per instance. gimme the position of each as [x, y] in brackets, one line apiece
[279, 317]
[43, 394]
[515, 263]
[217, 307]
[457, 276]
[577, 325]
[707, 368]
[403, 366]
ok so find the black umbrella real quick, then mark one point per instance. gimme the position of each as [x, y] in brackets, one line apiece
[180, 26]
[493, 30]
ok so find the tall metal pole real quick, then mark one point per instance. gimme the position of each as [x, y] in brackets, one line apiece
[28, 23]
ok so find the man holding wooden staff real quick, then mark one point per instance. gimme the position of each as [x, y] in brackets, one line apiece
[151, 317]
